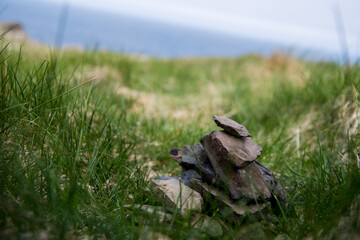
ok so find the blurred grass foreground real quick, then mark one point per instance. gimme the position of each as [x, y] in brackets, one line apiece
[82, 132]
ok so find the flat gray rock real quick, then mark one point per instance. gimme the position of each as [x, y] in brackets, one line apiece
[252, 183]
[243, 179]
[239, 208]
[227, 148]
[177, 195]
[222, 167]
[276, 189]
[195, 158]
[231, 127]
[185, 177]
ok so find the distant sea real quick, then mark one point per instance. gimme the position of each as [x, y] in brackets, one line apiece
[66, 25]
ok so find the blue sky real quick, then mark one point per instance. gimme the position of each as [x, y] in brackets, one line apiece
[306, 23]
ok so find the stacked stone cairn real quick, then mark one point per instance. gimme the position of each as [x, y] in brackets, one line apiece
[223, 168]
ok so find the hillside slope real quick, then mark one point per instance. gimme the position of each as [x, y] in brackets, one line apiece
[82, 132]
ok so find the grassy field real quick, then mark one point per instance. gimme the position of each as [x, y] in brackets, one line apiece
[81, 133]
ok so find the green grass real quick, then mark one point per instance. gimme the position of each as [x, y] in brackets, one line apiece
[78, 128]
